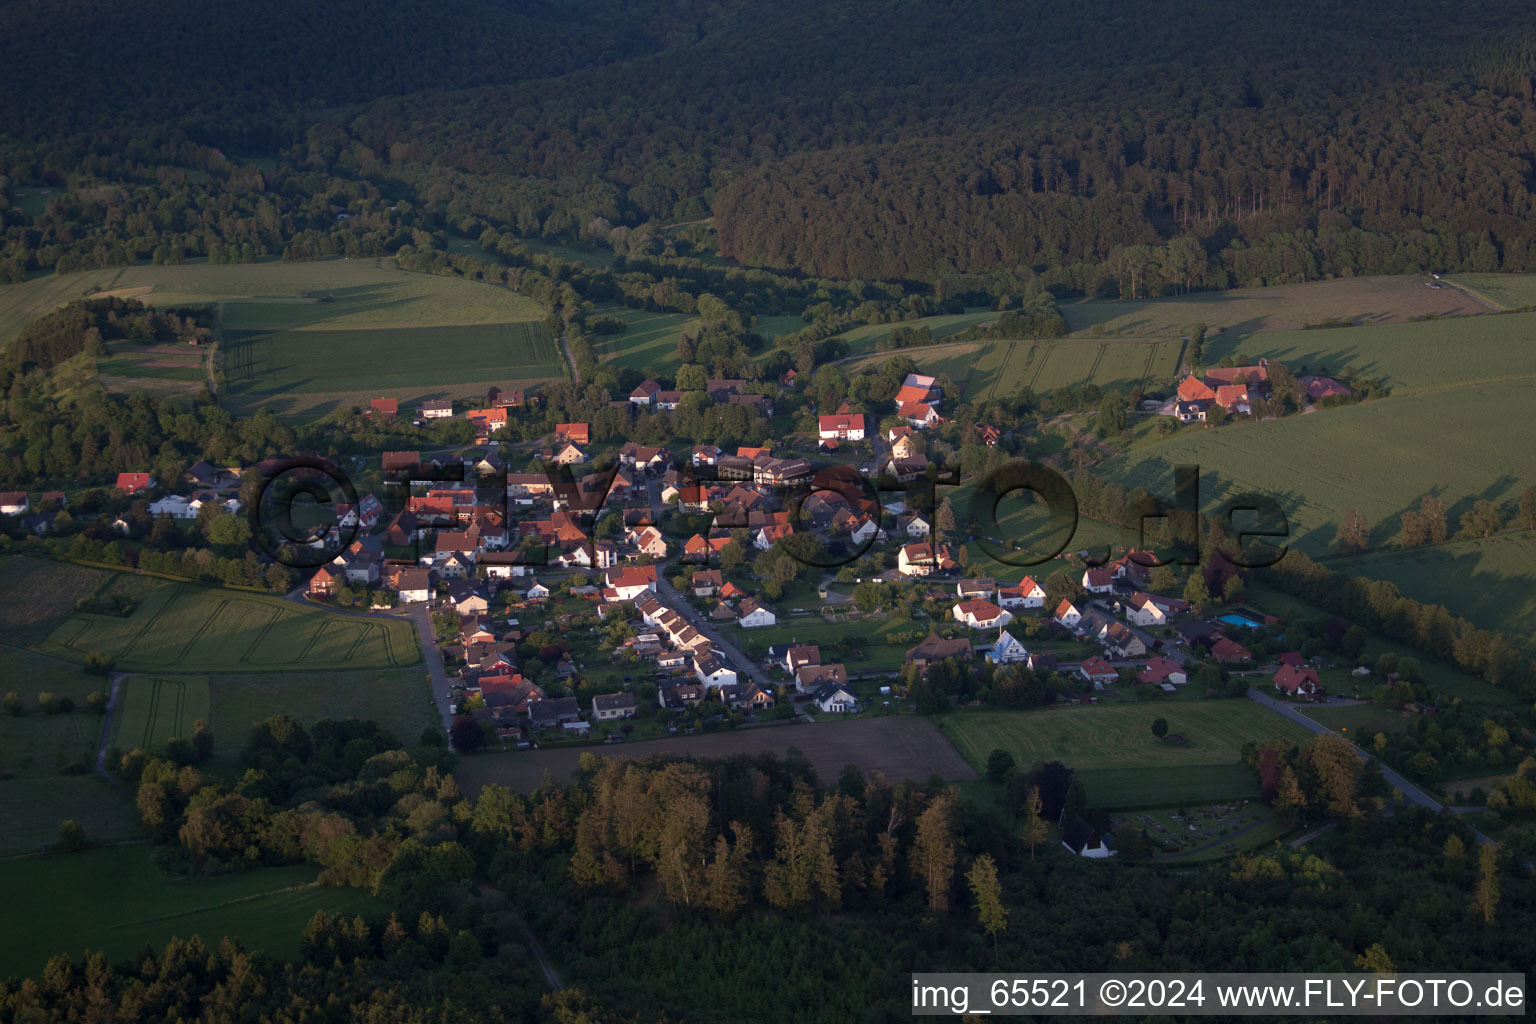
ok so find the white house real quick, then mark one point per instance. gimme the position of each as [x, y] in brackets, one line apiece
[414, 585]
[1067, 614]
[1028, 594]
[917, 526]
[608, 706]
[751, 615]
[14, 503]
[536, 592]
[841, 427]
[1141, 610]
[1080, 838]
[631, 581]
[1099, 581]
[980, 614]
[711, 671]
[1006, 650]
[834, 698]
[863, 529]
[920, 559]
[173, 505]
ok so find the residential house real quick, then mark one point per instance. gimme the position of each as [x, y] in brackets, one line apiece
[415, 585]
[712, 671]
[1193, 389]
[705, 582]
[797, 656]
[1319, 388]
[322, 583]
[552, 712]
[903, 443]
[989, 435]
[935, 648]
[980, 614]
[399, 462]
[1043, 663]
[1099, 581]
[1143, 611]
[748, 696]
[631, 581]
[834, 698]
[645, 393]
[133, 483]
[916, 526]
[1028, 594]
[849, 427]
[751, 615]
[919, 414]
[1080, 838]
[1230, 652]
[1098, 672]
[1006, 649]
[1163, 670]
[14, 503]
[1234, 399]
[678, 696]
[1253, 376]
[1191, 412]
[608, 706]
[980, 586]
[568, 454]
[1067, 614]
[1298, 681]
[808, 678]
[1123, 642]
[435, 409]
[384, 407]
[573, 433]
[649, 541]
[923, 559]
[905, 470]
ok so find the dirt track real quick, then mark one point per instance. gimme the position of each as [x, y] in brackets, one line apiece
[902, 748]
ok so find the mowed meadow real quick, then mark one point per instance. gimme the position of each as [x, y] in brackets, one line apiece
[304, 339]
[1112, 748]
[190, 628]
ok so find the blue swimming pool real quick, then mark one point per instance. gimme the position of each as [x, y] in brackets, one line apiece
[1238, 620]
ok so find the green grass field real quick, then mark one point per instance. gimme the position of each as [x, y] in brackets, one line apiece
[33, 810]
[1410, 357]
[36, 595]
[152, 709]
[1490, 582]
[188, 628]
[648, 344]
[880, 655]
[316, 371]
[1507, 291]
[1113, 746]
[1245, 311]
[1360, 722]
[395, 698]
[1377, 457]
[117, 901]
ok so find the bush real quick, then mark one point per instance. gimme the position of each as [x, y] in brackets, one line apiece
[72, 837]
[13, 703]
[97, 702]
[99, 663]
[49, 702]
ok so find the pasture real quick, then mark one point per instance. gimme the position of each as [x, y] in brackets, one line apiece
[36, 595]
[648, 344]
[39, 745]
[394, 698]
[1506, 291]
[152, 709]
[313, 371]
[1378, 457]
[116, 900]
[985, 370]
[902, 747]
[1118, 738]
[1410, 357]
[33, 809]
[1245, 311]
[189, 628]
[1490, 582]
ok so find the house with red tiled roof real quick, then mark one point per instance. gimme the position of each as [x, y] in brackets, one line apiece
[384, 406]
[631, 581]
[1067, 614]
[1028, 594]
[912, 394]
[989, 435]
[841, 427]
[1099, 581]
[1230, 652]
[133, 483]
[1251, 375]
[1163, 670]
[919, 414]
[981, 614]
[575, 433]
[1298, 681]
[1319, 388]
[1234, 399]
[1098, 672]
[645, 393]
[1193, 389]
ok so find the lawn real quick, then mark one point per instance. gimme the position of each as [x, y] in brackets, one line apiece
[1360, 722]
[33, 809]
[1116, 742]
[315, 371]
[151, 710]
[189, 628]
[117, 901]
[1244, 311]
[880, 655]
[37, 595]
[1490, 582]
[1378, 457]
[395, 698]
[648, 344]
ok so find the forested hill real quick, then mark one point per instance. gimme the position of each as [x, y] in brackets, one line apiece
[1186, 144]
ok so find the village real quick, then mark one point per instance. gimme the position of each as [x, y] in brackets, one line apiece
[642, 591]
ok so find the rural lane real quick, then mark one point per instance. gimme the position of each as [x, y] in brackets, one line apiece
[1413, 793]
[106, 735]
[422, 616]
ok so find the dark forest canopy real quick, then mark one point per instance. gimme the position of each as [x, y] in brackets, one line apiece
[1104, 146]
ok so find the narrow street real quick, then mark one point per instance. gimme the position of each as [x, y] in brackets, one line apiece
[433, 657]
[735, 655]
[106, 735]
